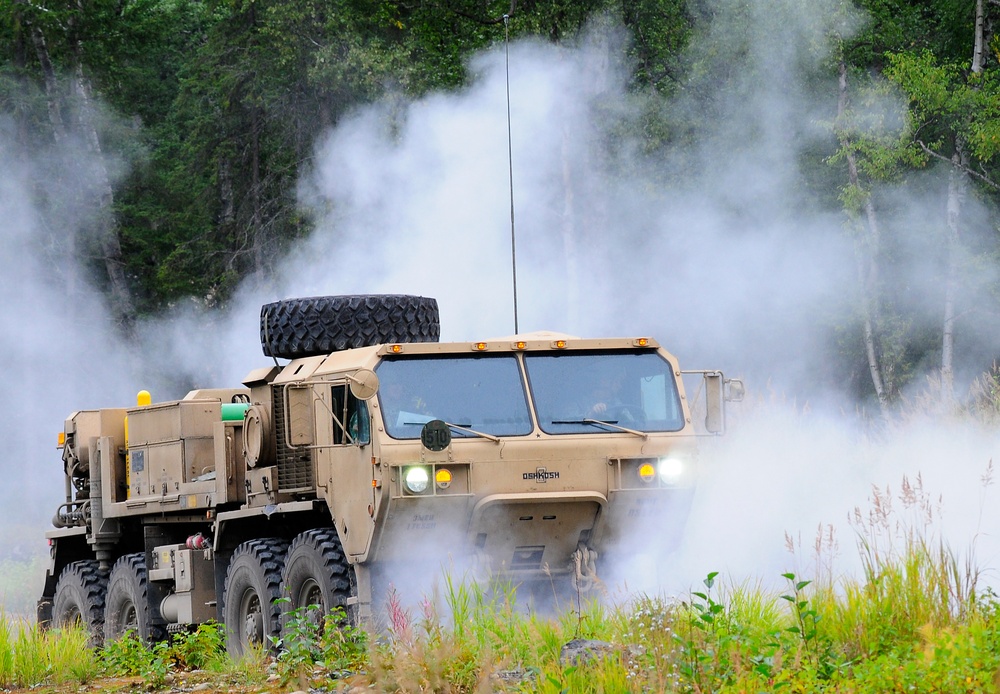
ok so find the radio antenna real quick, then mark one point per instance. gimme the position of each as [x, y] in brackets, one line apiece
[510, 166]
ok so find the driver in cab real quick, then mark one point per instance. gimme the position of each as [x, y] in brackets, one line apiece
[607, 394]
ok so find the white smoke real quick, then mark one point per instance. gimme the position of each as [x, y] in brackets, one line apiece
[60, 349]
[717, 250]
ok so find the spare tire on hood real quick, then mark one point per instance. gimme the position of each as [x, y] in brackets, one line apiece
[294, 328]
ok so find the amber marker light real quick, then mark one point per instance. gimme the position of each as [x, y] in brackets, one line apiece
[442, 478]
[396, 349]
[520, 344]
[62, 439]
[647, 473]
[480, 346]
[642, 342]
[559, 344]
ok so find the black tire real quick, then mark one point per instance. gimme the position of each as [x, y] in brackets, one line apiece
[80, 597]
[295, 328]
[316, 573]
[128, 605]
[251, 610]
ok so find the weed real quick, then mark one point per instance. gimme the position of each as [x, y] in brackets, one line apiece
[69, 656]
[129, 655]
[805, 626]
[913, 620]
[311, 641]
[250, 669]
[343, 647]
[298, 646]
[804, 616]
[31, 664]
[202, 648]
[706, 639]
[6, 652]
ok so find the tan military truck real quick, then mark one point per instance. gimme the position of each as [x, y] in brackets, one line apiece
[373, 447]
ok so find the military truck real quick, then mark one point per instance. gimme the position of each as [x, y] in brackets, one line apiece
[373, 447]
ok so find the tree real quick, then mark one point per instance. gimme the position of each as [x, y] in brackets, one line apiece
[954, 112]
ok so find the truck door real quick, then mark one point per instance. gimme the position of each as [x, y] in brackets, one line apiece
[350, 488]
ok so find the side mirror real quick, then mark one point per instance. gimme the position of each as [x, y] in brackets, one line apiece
[734, 390]
[364, 384]
[299, 415]
[715, 409]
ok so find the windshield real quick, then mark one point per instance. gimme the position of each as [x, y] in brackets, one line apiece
[575, 391]
[482, 393]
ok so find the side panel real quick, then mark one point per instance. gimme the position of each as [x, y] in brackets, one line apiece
[171, 459]
[230, 472]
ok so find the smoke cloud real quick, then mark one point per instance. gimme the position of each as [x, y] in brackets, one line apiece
[717, 250]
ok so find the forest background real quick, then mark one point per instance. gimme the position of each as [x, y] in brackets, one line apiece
[206, 118]
[806, 194]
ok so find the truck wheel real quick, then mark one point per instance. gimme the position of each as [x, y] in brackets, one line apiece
[79, 598]
[316, 573]
[295, 328]
[128, 607]
[253, 582]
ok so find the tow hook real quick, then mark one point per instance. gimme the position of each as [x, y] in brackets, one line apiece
[584, 569]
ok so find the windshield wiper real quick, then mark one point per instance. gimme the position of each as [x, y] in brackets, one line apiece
[460, 427]
[610, 423]
[465, 427]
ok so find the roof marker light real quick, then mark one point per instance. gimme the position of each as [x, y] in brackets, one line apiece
[480, 346]
[559, 344]
[396, 349]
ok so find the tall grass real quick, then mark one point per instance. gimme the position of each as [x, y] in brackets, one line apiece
[909, 623]
[915, 619]
[30, 656]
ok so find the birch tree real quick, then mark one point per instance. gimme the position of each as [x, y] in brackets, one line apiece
[58, 32]
[954, 110]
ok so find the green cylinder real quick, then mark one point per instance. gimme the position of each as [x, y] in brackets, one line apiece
[233, 412]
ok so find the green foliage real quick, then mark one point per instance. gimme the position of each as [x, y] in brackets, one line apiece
[298, 647]
[891, 629]
[6, 652]
[67, 653]
[716, 640]
[805, 617]
[947, 100]
[311, 642]
[205, 647]
[30, 657]
[129, 655]
[214, 110]
[221, 103]
[31, 664]
[983, 404]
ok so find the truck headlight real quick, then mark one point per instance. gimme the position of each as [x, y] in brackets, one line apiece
[670, 470]
[415, 479]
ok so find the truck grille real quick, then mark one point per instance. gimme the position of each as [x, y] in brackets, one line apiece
[295, 465]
